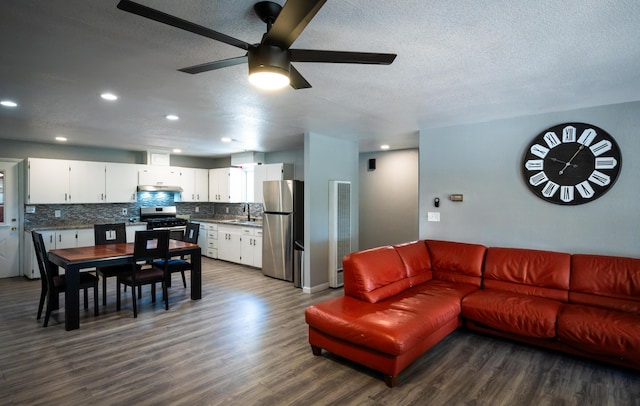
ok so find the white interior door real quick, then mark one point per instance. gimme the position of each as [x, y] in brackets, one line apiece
[9, 220]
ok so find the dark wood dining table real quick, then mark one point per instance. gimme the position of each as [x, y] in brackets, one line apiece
[74, 260]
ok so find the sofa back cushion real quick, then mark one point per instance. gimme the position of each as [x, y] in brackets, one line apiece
[606, 281]
[530, 272]
[456, 261]
[374, 275]
[417, 262]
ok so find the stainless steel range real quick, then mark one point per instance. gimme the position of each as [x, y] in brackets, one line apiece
[164, 218]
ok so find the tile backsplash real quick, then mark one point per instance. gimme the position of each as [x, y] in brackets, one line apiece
[72, 215]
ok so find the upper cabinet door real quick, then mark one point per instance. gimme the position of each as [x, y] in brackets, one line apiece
[121, 183]
[87, 182]
[48, 181]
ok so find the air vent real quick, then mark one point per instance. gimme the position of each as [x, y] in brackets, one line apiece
[339, 229]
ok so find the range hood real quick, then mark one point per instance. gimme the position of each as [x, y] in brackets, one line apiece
[159, 188]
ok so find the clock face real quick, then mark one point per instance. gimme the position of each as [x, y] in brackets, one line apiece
[571, 163]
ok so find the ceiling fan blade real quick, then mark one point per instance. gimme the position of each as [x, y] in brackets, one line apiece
[296, 79]
[293, 18]
[165, 18]
[205, 67]
[314, 55]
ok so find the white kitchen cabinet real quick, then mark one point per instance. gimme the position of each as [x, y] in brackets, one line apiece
[195, 185]
[48, 181]
[158, 175]
[131, 231]
[208, 239]
[87, 182]
[225, 185]
[121, 182]
[242, 245]
[63, 181]
[229, 243]
[279, 171]
[251, 247]
[53, 239]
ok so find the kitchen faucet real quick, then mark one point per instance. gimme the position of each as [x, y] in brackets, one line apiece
[247, 208]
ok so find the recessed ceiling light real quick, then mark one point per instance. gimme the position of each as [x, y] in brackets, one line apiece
[177, 150]
[62, 139]
[385, 146]
[171, 117]
[8, 103]
[225, 139]
[109, 96]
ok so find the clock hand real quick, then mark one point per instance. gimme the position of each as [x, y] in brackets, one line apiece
[569, 162]
[562, 162]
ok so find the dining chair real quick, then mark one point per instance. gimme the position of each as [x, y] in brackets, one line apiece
[55, 284]
[110, 234]
[181, 264]
[149, 246]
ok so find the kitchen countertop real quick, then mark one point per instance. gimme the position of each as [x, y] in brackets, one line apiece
[76, 226]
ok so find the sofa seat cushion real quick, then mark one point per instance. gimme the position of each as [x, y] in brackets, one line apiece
[392, 326]
[601, 331]
[525, 315]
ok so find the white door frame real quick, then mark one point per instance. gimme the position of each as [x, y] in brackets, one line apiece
[15, 191]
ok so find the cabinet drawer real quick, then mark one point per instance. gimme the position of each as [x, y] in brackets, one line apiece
[258, 232]
[247, 231]
[212, 244]
[212, 253]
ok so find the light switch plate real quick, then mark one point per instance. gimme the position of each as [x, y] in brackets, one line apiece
[57, 213]
[433, 216]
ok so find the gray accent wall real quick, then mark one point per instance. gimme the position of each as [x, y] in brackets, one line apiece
[388, 205]
[325, 158]
[483, 162]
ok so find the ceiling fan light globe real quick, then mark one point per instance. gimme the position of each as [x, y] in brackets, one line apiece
[269, 80]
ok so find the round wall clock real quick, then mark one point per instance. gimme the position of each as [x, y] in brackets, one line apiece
[571, 163]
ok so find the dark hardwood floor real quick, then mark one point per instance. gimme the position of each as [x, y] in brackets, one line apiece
[245, 343]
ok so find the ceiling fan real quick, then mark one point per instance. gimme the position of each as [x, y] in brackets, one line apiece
[270, 59]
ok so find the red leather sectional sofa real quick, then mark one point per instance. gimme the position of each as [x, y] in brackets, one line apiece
[401, 300]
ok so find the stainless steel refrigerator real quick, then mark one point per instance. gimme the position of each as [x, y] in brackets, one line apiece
[282, 224]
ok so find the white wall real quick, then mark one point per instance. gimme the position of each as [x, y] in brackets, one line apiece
[388, 198]
[325, 158]
[483, 162]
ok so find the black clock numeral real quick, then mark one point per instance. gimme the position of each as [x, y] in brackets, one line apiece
[566, 194]
[569, 134]
[601, 147]
[600, 178]
[587, 137]
[538, 179]
[539, 151]
[585, 189]
[551, 139]
[550, 189]
[606, 163]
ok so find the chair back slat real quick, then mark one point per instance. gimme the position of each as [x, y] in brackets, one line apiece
[41, 254]
[110, 233]
[191, 232]
[150, 245]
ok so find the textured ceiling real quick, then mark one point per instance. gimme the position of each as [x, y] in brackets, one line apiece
[458, 62]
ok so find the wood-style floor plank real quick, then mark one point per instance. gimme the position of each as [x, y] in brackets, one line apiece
[245, 343]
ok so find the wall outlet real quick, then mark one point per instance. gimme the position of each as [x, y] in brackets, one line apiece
[227, 209]
[124, 212]
[57, 213]
[197, 209]
[433, 216]
[30, 209]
